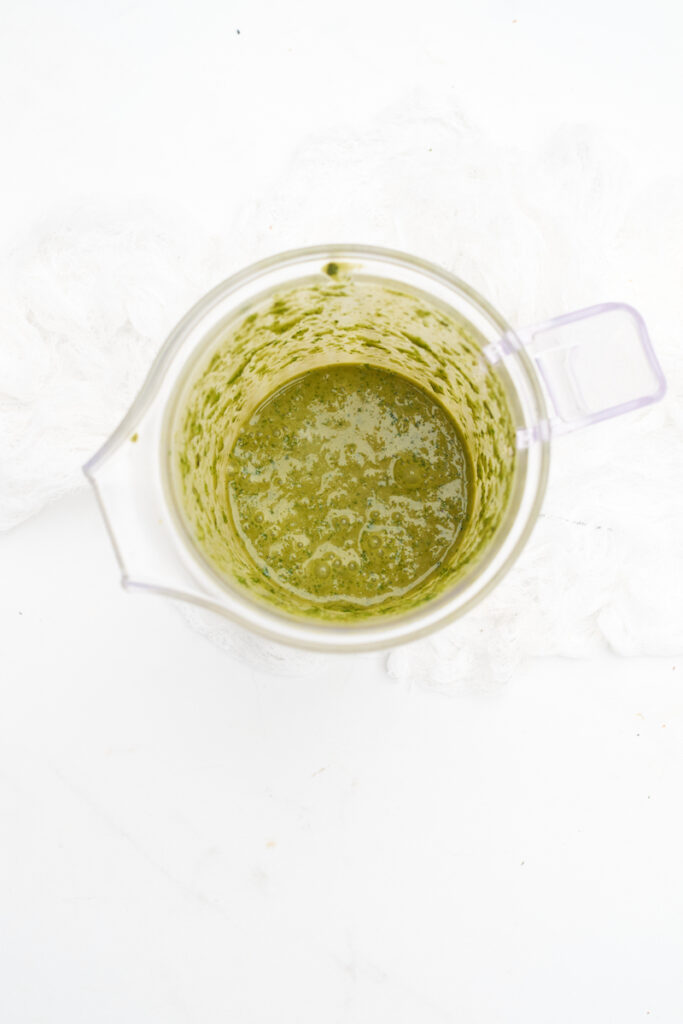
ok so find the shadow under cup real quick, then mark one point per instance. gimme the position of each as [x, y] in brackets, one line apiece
[345, 314]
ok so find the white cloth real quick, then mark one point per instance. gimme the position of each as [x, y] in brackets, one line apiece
[87, 299]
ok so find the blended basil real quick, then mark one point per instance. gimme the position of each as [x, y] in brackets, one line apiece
[343, 450]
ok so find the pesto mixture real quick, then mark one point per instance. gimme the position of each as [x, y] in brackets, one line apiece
[349, 485]
[342, 450]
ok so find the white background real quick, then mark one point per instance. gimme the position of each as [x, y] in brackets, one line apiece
[185, 837]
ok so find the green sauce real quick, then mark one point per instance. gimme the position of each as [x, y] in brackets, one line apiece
[342, 450]
[349, 485]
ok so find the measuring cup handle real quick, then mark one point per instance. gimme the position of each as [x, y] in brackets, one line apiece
[595, 363]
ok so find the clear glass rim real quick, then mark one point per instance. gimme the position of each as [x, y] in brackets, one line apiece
[333, 637]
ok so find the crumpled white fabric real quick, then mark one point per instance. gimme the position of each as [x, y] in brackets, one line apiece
[87, 299]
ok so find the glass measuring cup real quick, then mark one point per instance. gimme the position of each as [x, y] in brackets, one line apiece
[557, 376]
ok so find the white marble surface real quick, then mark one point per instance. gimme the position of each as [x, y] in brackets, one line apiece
[185, 837]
